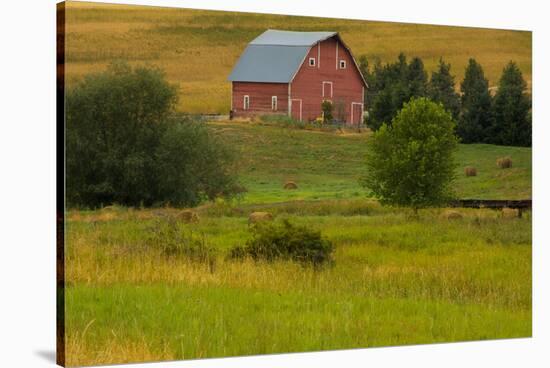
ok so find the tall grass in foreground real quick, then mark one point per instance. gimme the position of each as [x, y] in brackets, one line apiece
[395, 280]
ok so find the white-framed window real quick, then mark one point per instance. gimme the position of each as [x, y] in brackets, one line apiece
[342, 64]
[311, 61]
[246, 102]
[274, 103]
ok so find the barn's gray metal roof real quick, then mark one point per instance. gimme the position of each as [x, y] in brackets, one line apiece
[290, 38]
[275, 56]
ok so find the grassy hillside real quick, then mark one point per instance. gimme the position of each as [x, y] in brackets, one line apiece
[395, 279]
[327, 165]
[198, 49]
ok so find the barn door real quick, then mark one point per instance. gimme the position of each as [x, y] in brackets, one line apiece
[296, 109]
[327, 90]
[356, 113]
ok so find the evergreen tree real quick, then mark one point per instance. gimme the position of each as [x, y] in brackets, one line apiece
[394, 85]
[512, 123]
[442, 89]
[476, 118]
[417, 79]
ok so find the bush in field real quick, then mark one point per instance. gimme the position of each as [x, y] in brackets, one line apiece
[410, 163]
[123, 147]
[172, 239]
[286, 241]
[193, 163]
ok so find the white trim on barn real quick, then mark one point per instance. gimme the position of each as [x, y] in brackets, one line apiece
[331, 89]
[289, 112]
[337, 42]
[362, 107]
[246, 102]
[319, 55]
[296, 99]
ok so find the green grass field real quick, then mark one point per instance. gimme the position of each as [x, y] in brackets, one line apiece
[331, 163]
[198, 49]
[395, 279]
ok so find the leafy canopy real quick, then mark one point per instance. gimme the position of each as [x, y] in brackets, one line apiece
[122, 146]
[410, 163]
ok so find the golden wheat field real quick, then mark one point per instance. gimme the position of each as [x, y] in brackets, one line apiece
[197, 49]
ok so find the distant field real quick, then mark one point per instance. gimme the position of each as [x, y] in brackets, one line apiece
[198, 49]
[328, 165]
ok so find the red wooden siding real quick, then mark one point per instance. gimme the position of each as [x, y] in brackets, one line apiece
[347, 85]
[259, 98]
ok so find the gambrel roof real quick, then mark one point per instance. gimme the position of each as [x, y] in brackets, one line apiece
[275, 56]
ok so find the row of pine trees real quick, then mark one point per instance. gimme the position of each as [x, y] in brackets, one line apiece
[503, 119]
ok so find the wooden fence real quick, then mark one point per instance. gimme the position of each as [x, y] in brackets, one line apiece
[520, 204]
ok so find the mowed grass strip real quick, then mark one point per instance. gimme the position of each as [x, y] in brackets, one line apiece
[198, 48]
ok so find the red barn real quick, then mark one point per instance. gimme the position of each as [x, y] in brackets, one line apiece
[292, 73]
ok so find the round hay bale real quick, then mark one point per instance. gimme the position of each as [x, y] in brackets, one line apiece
[451, 215]
[509, 212]
[187, 216]
[256, 217]
[470, 171]
[290, 185]
[504, 162]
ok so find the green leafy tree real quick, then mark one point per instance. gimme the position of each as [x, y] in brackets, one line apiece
[410, 163]
[476, 119]
[512, 123]
[119, 136]
[442, 89]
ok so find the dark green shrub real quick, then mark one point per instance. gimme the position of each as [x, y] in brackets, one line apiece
[286, 241]
[123, 146]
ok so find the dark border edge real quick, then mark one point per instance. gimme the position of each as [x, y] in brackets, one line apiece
[60, 184]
